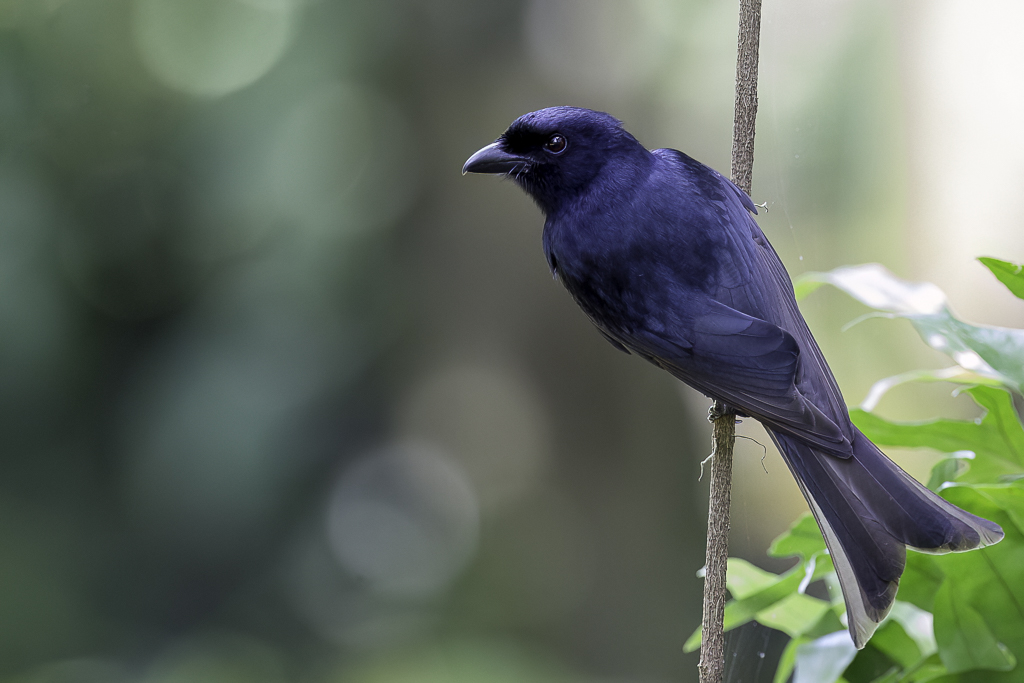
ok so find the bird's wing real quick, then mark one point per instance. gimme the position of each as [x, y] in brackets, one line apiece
[746, 362]
[816, 380]
[761, 286]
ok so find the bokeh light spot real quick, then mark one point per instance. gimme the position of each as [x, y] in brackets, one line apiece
[79, 671]
[470, 661]
[490, 418]
[218, 658]
[343, 160]
[599, 46]
[212, 47]
[206, 420]
[404, 518]
[37, 330]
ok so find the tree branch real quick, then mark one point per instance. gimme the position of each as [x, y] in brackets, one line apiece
[712, 648]
[746, 94]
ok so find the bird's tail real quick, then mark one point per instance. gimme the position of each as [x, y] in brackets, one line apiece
[869, 511]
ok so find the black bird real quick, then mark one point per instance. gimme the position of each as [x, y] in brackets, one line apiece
[663, 255]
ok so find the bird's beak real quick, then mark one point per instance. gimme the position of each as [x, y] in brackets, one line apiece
[492, 159]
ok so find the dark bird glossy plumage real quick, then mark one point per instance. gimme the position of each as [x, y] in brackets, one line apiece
[663, 255]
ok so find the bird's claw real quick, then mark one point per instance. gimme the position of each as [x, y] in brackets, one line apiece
[719, 409]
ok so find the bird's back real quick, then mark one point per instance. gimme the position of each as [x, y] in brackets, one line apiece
[654, 259]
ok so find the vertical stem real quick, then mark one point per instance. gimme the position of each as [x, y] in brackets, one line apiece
[712, 646]
[712, 649]
[746, 94]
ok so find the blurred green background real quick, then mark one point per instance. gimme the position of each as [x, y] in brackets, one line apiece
[283, 397]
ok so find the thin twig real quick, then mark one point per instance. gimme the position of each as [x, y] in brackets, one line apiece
[746, 94]
[712, 649]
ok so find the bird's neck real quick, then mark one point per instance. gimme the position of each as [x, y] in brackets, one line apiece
[616, 181]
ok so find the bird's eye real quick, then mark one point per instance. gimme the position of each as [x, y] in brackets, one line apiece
[556, 144]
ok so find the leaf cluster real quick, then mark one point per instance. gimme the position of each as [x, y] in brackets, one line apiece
[958, 618]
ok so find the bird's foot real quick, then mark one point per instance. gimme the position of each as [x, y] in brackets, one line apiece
[719, 409]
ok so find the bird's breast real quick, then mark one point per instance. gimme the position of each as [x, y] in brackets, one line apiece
[620, 293]
[634, 265]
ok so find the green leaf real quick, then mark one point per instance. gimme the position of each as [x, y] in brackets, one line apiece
[788, 659]
[965, 640]
[993, 352]
[921, 580]
[1010, 274]
[805, 284]
[870, 664]
[794, 615]
[977, 598]
[693, 642]
[893, 641]
[949, 469]
[904, 639]
[739, 612]
[823, 660]
[1009, 498]
[830, 622]
[928, 670]
[772, 589]
[979, 608]
[893, 676]
[989, 351]
[917, 624]
[875, 286]
[744, 579]
[953, 375]
[997, 440]
[931, 670]
[803, 538]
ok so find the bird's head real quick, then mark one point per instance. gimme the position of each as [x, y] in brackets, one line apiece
[556, 153]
